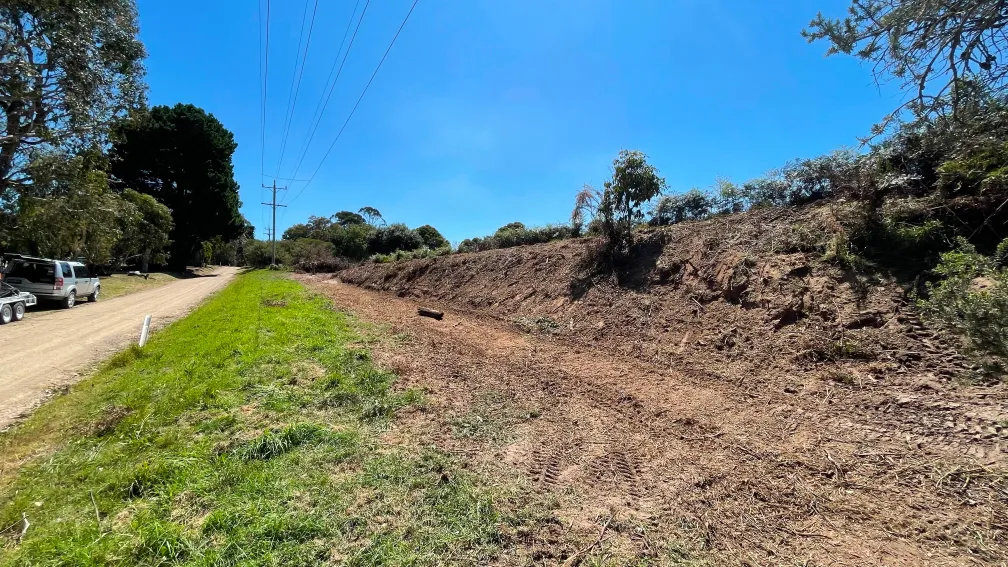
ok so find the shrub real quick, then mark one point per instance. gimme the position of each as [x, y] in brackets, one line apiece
[431, 237]
[1001, 254]
[982, 169]
[618, 209]
[673, 209]
[400, 255]
[393, 237]
[971, 298]
[257, 253]
[515, 234]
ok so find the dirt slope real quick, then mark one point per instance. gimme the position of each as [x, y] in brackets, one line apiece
[49, 349]
[727, 389]
[672, 460]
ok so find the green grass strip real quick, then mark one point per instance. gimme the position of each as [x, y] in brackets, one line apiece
[244, 434]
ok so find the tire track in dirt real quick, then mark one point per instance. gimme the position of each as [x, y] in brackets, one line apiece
[763, 479]
[50, 349]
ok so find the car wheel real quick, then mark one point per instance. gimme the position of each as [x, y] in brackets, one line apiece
[6, 314]
[70, 299]
[19, 310]
[94, 295]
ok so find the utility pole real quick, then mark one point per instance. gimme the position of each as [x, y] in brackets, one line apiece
[274, 205]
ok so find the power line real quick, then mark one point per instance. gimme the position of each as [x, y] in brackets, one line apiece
[361, 97]
[318, 119]
[262, 97]
[262, 94]
[295, 90]
[266, 77]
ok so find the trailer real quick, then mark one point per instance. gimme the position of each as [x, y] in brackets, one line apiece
[13, 303]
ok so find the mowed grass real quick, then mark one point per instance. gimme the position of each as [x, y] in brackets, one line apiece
[244, 434]
[118, 285]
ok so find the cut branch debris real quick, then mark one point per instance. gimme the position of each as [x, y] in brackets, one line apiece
[432, 313]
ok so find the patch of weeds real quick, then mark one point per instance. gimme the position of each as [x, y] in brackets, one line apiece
[476, 425]
[541, 325]
[273, 443]
[840, 251]
[150, 476]
[851, 349]
[108, 420]
[841, 377]
[126, 357]
[219, 424]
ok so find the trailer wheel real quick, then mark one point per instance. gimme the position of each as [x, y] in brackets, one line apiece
[19, 310]
[6, 313]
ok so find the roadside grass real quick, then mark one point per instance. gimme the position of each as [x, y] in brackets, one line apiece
[244, 434]
[118, 285]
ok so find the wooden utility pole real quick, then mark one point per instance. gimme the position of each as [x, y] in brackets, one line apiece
[274, 205]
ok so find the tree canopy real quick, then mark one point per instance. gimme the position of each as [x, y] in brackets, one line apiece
[431, 237]
[67, 69]
[942, 51]
[181, 156]
[145, 225]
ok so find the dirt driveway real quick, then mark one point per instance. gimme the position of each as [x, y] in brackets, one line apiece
[674, 458]
[50, 348]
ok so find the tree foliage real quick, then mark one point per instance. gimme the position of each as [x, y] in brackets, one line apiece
[397, 236]
[181, 155]
[941, 51]
[431, 237]
[69, 212]
[619, 208]
[67, 69]
[372, 215]
[144, 226]
[347, 218]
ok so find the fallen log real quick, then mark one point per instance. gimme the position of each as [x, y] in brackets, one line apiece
[432, 313]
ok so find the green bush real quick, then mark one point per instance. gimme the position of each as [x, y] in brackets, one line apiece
[400, 255]
[515, 234]
[984, 168]
[393, 237]
[971, 299]
[431, 237]
[673, 209]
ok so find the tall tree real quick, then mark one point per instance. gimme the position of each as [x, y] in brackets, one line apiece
[372, 215]
[433, 239]
[145, 225]
[943, 52]
[70, 211]
[347, 218]
[67, 69]
[181, 155]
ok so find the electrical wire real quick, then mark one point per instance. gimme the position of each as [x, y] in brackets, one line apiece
[361, 97]
[318, 119]
[292, 106]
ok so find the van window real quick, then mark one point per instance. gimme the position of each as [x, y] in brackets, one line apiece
[35, 272]
[82, 272]
[66, 270]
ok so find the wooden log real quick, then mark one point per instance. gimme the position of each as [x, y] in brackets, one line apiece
[432, 313]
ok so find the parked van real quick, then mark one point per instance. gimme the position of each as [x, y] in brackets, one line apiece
[52, 280]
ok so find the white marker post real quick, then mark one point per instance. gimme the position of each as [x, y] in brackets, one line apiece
[145, 331]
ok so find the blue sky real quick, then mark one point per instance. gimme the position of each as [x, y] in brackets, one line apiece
[491, 111]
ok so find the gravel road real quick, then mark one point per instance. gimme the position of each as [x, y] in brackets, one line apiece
[52, 348]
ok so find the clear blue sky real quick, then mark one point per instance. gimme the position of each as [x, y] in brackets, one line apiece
[491, 111]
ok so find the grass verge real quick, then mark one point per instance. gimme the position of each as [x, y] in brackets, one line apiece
[118, 285]
[244, 434]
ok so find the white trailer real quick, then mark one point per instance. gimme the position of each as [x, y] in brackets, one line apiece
[13, 303]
